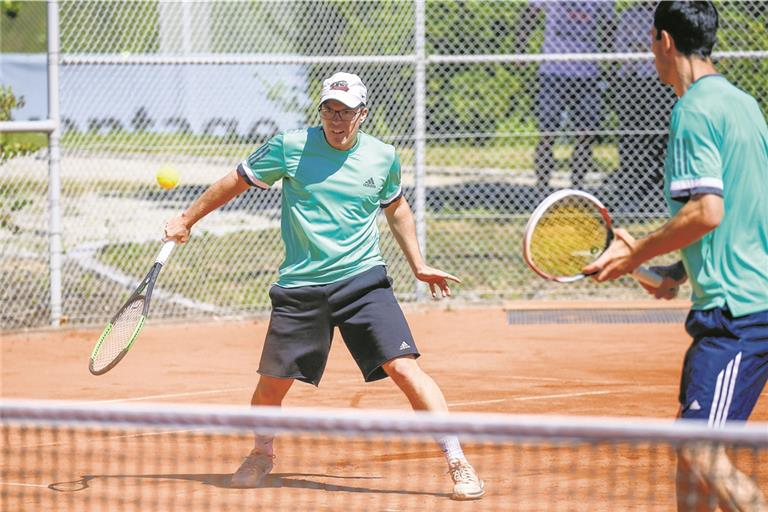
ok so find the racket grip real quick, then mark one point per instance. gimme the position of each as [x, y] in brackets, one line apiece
[647, 277]
[165, 252]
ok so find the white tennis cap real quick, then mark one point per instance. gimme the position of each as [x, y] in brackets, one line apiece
[346, 88]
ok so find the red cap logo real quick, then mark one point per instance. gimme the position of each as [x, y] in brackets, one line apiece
[339, 86]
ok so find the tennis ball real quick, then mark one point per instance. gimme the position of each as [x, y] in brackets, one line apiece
[167, 177]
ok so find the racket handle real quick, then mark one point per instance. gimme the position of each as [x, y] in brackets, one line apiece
[647, 277]
[165, 252]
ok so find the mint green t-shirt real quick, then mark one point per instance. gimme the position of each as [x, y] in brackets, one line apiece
[718, 144]
[330, 202]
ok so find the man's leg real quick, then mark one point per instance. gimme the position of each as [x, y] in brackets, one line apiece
[693, 493]
[269, 391]
[586, 103]
[296, 347]
[581, 162]
[706, 477]
[424, 395]
[544, 160]
[420, 389]
[549, 108]
[378, 337]
[724, 373]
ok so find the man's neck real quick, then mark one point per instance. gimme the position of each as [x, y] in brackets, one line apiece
[347, 146]
[690, 69]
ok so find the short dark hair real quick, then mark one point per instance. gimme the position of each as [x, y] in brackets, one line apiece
[692, 25]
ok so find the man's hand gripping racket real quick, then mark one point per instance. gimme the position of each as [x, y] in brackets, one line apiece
[569, 230]
[124, 327]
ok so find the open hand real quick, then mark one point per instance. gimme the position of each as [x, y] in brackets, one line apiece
[436, 279]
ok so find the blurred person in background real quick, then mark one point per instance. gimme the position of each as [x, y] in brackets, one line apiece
[643, 105]
[573, 88]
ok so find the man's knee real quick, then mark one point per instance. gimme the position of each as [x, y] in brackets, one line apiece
[403, 369]
[705, 460]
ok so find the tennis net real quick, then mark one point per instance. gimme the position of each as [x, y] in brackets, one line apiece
[109, 457]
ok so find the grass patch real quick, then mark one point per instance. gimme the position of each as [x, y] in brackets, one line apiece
[23, 27]
[151, 143]
[234, 271]
[518, 155]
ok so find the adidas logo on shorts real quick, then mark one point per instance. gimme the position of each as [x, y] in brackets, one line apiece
[404, 346]
[369, 183]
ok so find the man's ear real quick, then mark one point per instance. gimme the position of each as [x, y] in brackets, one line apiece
[667, 43]
[363, 115]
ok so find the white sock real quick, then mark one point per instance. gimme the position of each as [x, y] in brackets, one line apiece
[263, 444]
[451, 448]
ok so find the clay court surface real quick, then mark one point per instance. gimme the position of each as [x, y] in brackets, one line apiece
[482, 363]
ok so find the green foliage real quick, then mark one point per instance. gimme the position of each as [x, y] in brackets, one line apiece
[475, 98]
[109, 27]
[12, 195]
[15, 195]
[11, 144]
[22, 26]
[744, 27]
[461, 98]
[489, 99]
[8, 102]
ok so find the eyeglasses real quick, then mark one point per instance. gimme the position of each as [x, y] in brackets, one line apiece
[348, 114]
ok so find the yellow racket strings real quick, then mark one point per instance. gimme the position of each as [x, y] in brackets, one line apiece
[570, 235]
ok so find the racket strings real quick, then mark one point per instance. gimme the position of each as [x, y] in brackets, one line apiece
[571, 234]
[121, 335]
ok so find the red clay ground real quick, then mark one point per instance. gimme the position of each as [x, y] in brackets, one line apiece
[482, 364]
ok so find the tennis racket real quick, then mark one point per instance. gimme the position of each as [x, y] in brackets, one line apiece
[567, 231]
[124, 327]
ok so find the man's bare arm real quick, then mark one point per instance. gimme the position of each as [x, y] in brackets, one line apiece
[218, 194]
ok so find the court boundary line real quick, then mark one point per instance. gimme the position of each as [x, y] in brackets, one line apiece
[537, 397]
[166, 395]
[18, 484]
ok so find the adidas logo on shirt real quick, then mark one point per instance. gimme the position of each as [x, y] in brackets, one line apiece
[369, 183]
[404, 346]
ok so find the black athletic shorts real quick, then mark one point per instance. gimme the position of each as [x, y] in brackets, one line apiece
[364, 309]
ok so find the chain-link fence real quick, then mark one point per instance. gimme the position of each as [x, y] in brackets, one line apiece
[491, 104]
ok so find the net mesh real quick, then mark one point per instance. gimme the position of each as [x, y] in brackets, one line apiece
[120, 335]
[110, 457]
[569, 235]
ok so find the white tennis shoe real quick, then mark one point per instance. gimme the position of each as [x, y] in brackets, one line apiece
[466, 484]
[253, 470]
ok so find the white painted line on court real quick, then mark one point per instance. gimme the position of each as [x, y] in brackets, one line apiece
[126, 436]
[168, 395]
[538, 397]
[555, 379]
[18, 484]
[566, 395]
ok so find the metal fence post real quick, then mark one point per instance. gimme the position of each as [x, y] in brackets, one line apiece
[54, 174]
[419, 137]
